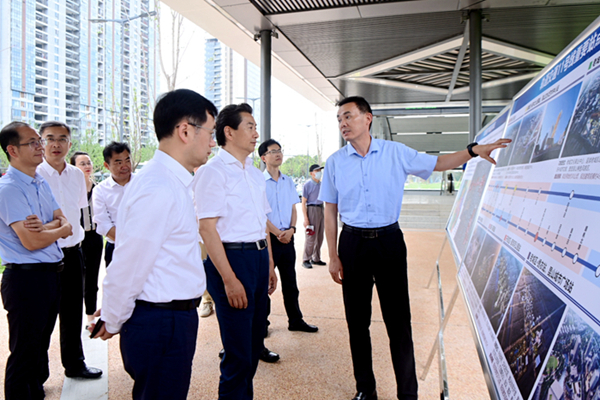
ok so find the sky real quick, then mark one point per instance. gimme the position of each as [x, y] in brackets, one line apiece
[295, 121]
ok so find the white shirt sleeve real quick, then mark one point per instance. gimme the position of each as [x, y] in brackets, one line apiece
[101, 216]
[83, 201]
[210, 193]
[144, 219]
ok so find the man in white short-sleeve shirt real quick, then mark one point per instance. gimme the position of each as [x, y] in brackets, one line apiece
[232, 209]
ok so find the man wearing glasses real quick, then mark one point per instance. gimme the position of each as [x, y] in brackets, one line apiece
[107, 196]
[282, 196]
[68, 185]
[30, 224]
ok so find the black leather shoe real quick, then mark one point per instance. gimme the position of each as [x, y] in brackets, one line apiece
[303, 327]
[221, 353]
[318, 263]
[365, 396]
[307, 264]
[269, 356]
[85, 373]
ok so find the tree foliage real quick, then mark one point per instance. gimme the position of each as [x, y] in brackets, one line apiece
[297, 166]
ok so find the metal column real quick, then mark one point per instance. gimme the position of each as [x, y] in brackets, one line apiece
[265, 84]
[474, 73]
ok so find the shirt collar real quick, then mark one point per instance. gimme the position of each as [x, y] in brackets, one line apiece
[373, 147]
[268, 175]
[49, 169]
[23, 177]
[174, 166]
[228, 158]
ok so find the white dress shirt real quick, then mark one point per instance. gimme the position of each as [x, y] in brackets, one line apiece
[234, 193]
[70, 192]
[157, 257]
[106, 199]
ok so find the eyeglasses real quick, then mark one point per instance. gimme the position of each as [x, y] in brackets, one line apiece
[34, 144]
[51, 140]
[278, 151]
[211, 131]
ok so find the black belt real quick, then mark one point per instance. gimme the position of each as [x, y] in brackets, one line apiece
[41, 267]
[314, 205]
[72, 248]
[371, 233]
[261, 244]
[176, 305]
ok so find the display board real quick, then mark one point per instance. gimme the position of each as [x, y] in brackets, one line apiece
[530, 273]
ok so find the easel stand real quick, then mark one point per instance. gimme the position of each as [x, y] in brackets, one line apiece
[438, 344]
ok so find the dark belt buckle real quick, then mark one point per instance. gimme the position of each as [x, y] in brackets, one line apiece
[261, 244]
[369, 234]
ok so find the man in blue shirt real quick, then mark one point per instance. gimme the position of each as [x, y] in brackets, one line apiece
[364, 182]
[30, 224]
[312, 208]
[281, 224]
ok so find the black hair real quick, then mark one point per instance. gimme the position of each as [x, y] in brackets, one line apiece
[263, 148]
[230, 116]
[54, 124]
[114, 148]
[77, 154]
[362, 105]
[9, 135]
[172, 107]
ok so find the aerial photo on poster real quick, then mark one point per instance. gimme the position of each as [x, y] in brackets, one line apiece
[528, 135]
[554, 128]
[500, 286]
[511, 133]
[528, 329]
[473, 249]
[572, 371]
[485, 262]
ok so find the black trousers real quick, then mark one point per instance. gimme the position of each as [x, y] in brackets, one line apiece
[242, 330]
[284, 257]
[380, 261]
[92, 255]
[31, 300]
[158, 346]
[108, 253]
[71, 309]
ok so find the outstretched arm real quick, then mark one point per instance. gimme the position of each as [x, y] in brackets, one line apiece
[449, 161]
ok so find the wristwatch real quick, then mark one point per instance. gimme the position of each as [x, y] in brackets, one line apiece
[294, 228]
[470, 149]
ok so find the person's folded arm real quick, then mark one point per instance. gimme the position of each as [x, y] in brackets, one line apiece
[35, 240]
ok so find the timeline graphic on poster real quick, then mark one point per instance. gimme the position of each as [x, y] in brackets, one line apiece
[531, 270]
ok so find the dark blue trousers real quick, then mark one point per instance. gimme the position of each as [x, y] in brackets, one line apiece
[242, 330]
[158, 346]
[31, 300]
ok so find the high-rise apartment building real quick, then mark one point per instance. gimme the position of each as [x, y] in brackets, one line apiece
[230, 78]
[57, 64]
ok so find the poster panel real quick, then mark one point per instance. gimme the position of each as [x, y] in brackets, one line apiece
[461, 223]
[531, 270]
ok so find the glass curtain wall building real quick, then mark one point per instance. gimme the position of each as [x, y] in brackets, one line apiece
[56, 64]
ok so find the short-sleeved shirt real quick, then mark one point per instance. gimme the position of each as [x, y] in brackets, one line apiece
[21, 196]
[282, 196]
[368, 190]
[70, 192]
[311, 192]
[234, 193]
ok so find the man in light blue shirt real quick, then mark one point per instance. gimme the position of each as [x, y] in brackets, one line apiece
[281, 225]
[30, 224]
[364, 182]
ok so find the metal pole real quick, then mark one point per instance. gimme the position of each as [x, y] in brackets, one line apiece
[474, 73]
[122, 77]
[265, 84]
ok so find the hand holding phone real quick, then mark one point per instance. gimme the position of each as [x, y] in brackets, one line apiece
[97, 327]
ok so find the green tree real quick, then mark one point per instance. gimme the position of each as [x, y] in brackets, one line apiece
[297, 166]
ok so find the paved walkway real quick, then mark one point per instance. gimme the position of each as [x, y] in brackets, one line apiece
[312, 366]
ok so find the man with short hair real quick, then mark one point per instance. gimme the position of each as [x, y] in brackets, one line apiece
[108, 194]
[233, 224]
[30, 224]
[156, 278]
[68, 185]
[281, 223]
[312, 208]
[364, 181]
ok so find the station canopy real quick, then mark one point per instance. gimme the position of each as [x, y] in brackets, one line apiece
[396, 53]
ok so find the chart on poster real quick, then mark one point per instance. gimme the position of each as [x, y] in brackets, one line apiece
[530, 272]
